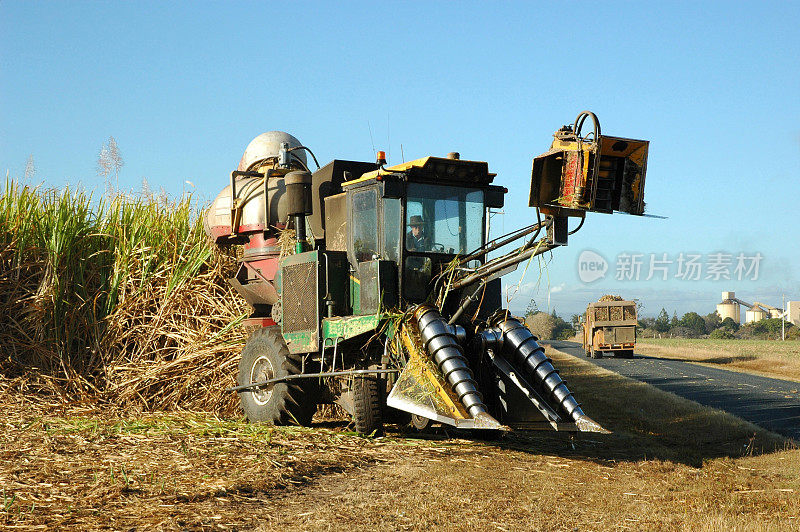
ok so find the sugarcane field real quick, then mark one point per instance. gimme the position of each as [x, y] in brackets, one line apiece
[262, 268]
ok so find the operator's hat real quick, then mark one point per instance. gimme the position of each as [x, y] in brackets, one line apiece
[415, 220]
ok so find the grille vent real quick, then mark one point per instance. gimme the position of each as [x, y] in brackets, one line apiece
[299, 297]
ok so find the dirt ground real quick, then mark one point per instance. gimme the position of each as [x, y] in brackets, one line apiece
[668, 465]
[491, 489]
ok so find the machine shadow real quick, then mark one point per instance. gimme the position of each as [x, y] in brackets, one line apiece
[627, 447]
[646, 422]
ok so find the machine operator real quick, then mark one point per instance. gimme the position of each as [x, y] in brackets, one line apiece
[416, 239]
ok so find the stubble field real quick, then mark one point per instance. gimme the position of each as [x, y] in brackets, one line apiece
[669, 464]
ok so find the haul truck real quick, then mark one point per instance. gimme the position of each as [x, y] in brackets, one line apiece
[610, 328]
[375, 287]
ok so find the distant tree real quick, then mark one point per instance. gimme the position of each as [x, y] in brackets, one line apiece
[532, 309]
[575, 320]
[549, 327]
[768, 329]
[30, 167]
[646, 322]
[694, 321]
[661, 323]
[565, 331]
[712, 321]
[541, 324]
[729, 324]
[674, 322]
[682, 332]
[721, 334]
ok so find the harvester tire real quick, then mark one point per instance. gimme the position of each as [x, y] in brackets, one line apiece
[420, 423]
[367, 400]
[596, 354]
[265, 356]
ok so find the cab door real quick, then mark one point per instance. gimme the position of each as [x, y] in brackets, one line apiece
[373, 249]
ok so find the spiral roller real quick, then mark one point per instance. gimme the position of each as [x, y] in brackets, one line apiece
[521, 344]
[441, 344]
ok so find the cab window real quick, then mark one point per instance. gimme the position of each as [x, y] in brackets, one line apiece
[443, 219]
[365, 225]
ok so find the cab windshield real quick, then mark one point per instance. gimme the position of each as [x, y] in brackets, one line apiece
[443, 219]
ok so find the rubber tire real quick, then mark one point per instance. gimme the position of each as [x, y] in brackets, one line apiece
[596, 354]
[291, 402]
[419, 423]
[628, 353]
[367, 403]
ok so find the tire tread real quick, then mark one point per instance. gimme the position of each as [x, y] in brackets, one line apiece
[367, 405]
[291, 402]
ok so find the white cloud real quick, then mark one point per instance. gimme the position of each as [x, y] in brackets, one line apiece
[558, 288]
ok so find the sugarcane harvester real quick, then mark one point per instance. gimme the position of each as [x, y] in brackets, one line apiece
[372, 286]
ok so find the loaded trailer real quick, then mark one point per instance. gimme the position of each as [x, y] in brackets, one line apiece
[609, 327]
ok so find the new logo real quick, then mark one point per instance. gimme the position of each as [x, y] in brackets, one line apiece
[591, 266]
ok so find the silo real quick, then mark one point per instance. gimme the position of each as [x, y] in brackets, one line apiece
[793, 312]
[729, 308]
[755, 313]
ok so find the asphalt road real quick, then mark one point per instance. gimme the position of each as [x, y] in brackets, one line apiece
[770, 403]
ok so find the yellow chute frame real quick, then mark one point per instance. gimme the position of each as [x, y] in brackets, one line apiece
[595, 173]
[421, 388]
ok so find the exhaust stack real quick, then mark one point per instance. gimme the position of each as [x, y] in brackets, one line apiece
[298, 194]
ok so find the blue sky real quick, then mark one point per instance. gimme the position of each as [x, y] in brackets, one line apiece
[183, 87]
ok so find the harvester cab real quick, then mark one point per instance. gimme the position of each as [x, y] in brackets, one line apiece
[410, 222]
[371, 286]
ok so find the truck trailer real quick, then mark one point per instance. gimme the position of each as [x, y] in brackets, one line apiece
[609, 327]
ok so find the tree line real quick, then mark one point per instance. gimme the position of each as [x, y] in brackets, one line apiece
[551, 326]
[693, 325]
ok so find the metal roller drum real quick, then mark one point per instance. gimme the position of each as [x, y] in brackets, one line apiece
[526, 351]
[441, 344]
[520, 345]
